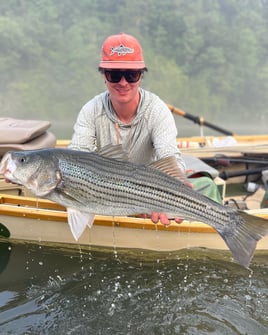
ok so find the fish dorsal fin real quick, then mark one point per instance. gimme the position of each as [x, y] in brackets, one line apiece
[113, 151]
[169, 166]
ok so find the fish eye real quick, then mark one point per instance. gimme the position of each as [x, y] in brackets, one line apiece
[22, 160]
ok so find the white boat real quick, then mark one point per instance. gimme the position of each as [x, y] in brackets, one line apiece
[26, 218]
[39, 220]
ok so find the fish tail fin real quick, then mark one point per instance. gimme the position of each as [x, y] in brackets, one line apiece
[243, 240]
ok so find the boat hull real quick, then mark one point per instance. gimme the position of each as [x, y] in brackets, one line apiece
[31, 219]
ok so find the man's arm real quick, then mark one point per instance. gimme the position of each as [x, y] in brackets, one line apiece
[84, 135]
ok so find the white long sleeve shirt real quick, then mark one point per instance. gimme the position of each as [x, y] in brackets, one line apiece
[150, 136]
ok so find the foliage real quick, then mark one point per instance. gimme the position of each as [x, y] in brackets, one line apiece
[208, 57]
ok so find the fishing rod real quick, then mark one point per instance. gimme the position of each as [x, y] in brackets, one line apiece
[231, 174]
[199, 120]
[227, 161]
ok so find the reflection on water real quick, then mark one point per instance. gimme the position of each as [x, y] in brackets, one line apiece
[48, 290]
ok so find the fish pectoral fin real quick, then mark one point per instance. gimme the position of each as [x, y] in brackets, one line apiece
[169, 166]
[113, 151]
[78, 221]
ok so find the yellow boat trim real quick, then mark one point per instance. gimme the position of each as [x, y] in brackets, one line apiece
[41, 209]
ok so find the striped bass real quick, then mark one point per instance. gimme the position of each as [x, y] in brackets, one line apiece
[104, 183]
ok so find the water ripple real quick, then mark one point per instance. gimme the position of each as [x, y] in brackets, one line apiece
[134, 292]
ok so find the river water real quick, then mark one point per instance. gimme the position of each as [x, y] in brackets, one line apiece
[50, 290]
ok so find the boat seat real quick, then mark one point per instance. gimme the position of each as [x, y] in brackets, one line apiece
[17, 134]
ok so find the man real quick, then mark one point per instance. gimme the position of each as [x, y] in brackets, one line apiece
[127, 114]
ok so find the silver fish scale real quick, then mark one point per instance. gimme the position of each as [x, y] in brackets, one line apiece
[121, 186]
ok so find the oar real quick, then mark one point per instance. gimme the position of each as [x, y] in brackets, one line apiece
[199, 120]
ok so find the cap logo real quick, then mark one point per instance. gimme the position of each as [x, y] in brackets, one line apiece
[121, 50]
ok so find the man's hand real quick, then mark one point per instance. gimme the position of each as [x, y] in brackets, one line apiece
[156, 217]
[163, 218]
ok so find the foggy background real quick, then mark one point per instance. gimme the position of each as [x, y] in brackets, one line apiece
[206, 57]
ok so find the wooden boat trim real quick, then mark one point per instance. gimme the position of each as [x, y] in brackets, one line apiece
[108, 221]
[241, 139]
[18, 207]
[202, 146]
[205, 140]
[41, 209]
[42, 221]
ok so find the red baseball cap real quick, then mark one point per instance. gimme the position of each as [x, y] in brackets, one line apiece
[122, 51]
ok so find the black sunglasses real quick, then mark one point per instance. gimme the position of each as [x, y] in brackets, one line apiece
[114, 76]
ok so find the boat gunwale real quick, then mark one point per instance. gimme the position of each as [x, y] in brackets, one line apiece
[41, 209]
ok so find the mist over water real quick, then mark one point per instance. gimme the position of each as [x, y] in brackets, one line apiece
[64, 129]
[48, 290]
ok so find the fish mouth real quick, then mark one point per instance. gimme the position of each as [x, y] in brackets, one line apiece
[4, 163]
[7, 167]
